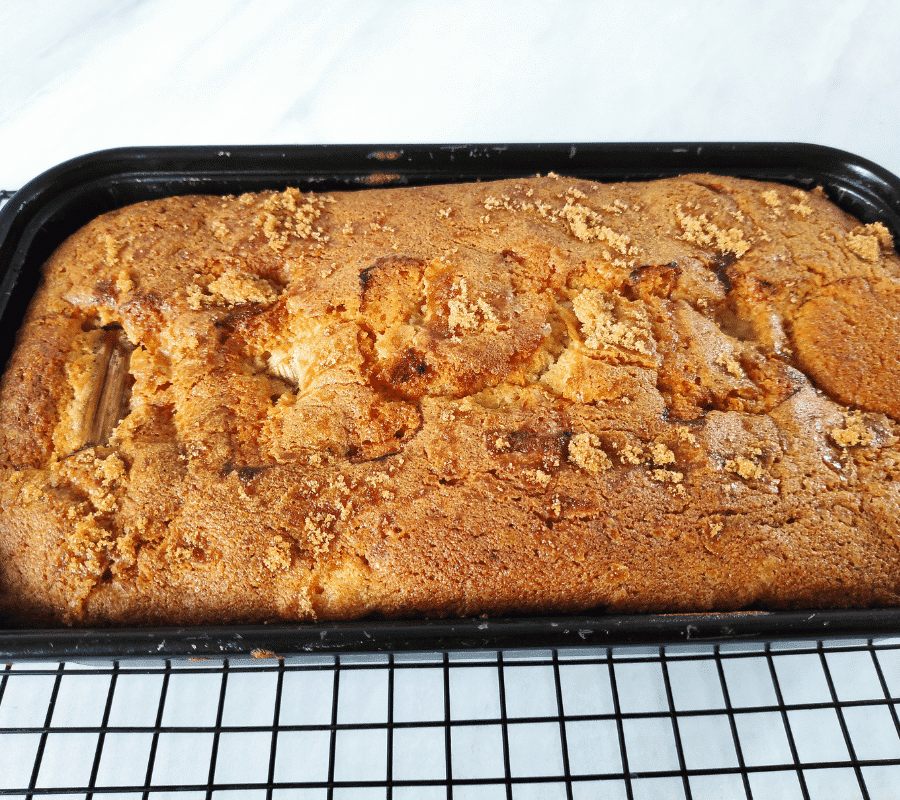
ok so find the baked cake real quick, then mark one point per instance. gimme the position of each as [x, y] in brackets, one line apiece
[534, 395]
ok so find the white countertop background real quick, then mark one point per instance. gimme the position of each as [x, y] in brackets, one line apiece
[85, 76]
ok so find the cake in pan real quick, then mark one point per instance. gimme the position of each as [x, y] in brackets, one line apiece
[534, 395]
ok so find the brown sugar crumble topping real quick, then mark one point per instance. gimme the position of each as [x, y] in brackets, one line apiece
[533, 395]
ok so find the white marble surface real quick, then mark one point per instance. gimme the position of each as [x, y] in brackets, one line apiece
[83, 76]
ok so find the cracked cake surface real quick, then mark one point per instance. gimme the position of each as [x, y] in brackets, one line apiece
[531, 395]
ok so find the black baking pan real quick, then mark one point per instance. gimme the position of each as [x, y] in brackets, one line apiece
[55, 204]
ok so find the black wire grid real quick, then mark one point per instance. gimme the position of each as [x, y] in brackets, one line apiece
[811, 720]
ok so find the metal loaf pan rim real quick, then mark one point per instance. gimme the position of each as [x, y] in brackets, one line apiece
[40, 215]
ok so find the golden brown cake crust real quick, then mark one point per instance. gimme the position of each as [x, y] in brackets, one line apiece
[530, 395]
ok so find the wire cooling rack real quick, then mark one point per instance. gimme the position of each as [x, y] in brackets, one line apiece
[797, 720]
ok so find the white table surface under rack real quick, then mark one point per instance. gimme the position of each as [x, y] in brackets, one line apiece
[795, 720]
